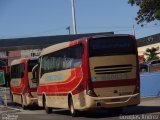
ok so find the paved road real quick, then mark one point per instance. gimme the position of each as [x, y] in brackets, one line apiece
[149, 109]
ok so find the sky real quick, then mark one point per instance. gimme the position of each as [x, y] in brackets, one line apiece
[31, 18]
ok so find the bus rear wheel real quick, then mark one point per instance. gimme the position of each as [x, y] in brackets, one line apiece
[72, 110]
[47, 109]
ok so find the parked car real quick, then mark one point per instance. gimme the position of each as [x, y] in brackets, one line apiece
[150, 66]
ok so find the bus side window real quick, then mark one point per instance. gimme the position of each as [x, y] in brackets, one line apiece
[22, 74]
[75, 53]
[66, 58]
[35, 74]
[17, 71]
[22, 69]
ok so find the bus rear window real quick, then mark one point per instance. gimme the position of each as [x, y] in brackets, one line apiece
[111, 46]
[31, 64]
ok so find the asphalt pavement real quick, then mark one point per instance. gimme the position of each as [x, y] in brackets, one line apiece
[149, 109]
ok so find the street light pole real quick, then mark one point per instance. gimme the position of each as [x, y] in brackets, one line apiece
[134, 33]
[74, 17]
[68, 28]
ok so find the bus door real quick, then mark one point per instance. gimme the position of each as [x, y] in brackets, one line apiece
[33, 76]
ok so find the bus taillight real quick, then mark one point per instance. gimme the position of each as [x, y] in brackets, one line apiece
[137, 88]
[90, 90]
[91, 93]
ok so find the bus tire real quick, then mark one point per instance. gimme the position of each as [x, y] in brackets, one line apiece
[47, 109]
[72, 110]
[22, 103]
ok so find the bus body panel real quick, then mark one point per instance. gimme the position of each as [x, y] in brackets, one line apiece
[16, 98]
[111, 71]
[82, 101]
[112, 102]
[67, 82]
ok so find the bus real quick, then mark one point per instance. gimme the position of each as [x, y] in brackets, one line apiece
[23, 88]
[89, 73]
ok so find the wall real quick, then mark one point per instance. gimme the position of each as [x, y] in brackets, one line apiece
[30, 53]
[23, 54]
[150, 84]
[13, 55]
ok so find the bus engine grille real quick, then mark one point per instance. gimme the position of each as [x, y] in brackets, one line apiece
[113, 69]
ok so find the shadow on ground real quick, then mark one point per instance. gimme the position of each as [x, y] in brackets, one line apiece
[141, 110]
[34, 107]
[103, 113]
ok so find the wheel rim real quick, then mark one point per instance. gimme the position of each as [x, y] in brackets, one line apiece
[45, 106]
[12, 98]
[72, 107]
[23, 103]
[72, 110]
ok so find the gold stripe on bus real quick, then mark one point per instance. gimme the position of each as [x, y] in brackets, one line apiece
[58, 76]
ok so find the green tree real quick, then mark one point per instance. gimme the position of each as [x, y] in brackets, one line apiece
[149, 10]
[152, 53]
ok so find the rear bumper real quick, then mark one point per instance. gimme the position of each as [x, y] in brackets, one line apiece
[112, 102]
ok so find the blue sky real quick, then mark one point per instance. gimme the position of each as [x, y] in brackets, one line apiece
[27, 18]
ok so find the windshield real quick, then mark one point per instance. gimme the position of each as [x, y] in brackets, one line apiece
[111, 46]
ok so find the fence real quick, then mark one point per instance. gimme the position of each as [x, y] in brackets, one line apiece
[5, 96]
[150, 84]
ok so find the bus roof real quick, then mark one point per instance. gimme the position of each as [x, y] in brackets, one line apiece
[20, 60]
[54, 48]
[110, 35]
[59, 46]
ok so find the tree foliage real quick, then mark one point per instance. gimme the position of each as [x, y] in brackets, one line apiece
[152, 53]
[149, 10]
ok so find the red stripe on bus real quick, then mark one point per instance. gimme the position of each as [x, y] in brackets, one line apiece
[16, 93]
[33, 89]
[54, 94]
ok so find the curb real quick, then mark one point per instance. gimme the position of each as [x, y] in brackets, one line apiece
[10, 109]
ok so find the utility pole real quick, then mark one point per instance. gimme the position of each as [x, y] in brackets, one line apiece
[134, 30]
[69, 30]
[74, 17]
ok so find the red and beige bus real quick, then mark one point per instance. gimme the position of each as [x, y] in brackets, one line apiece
[23, 87]
[92, 72]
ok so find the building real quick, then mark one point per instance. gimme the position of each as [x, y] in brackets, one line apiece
[152, 41]
[11, 49]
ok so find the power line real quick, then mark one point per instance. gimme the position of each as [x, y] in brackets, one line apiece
[108, 28]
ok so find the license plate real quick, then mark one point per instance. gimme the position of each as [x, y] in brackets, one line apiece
[114, 76]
